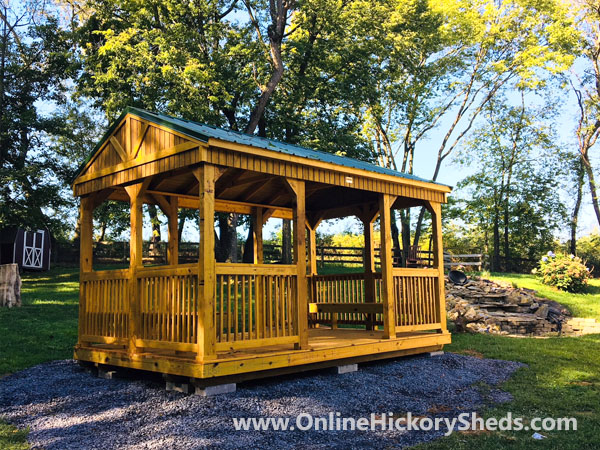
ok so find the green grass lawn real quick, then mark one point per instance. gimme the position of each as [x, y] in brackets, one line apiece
[586, 304]
[562, 378]
[45, 327]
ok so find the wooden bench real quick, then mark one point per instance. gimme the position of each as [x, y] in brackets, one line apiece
[344, 308]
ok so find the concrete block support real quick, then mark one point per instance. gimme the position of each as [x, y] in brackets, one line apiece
[348, 368]
[210, 391]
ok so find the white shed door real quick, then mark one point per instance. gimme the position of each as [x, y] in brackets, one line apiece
[33, 249]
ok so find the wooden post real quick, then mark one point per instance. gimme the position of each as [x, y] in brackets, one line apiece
[206, 263]
[438, 259]
[86, 230]
[173, 247]
[369, 263]
[387, 277]
[312, 260]
[257, 227]
[258, 219]
[312, 247]
[299, 236]
[135, 193]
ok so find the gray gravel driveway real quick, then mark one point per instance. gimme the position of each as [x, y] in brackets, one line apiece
[67, 408]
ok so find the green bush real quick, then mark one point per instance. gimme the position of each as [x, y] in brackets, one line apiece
[588, 249]
[566, 272]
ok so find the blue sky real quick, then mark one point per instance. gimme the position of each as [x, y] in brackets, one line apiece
[452, 173]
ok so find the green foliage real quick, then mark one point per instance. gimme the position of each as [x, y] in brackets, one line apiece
[510, 202]
[35, 63]
[567, 273]
[588, 249]
[348, 239]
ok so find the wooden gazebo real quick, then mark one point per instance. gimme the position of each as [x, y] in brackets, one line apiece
[207, 319]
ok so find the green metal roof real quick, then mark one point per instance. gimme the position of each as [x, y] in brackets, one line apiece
[203, 132]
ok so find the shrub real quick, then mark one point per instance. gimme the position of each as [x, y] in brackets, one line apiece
[588, 248]
[566, 272]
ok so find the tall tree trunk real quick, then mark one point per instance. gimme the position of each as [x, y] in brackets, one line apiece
[508, 263]
[77, 232]
[576, 208]
[405, 224]
[156, 237]
[180, 228]
[592, 184]
[396, 252]
[286, 242]
[234, 238]
[496, 237]
[227, 239]
[248, 256]
[278, 10]
[103, 227]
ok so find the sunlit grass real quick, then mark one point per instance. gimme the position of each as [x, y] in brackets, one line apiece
[11, 438]
[562, 380]
[586, 304]
[45, 327]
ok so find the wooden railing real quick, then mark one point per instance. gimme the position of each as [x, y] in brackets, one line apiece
[104, 306]
[417, 299]
[256, 305]
[168, 307]
[344, 288]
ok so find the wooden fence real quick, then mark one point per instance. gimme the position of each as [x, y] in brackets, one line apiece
[118, 253]
[474, 260]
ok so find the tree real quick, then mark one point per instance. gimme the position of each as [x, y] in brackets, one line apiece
[465, 53]
[35, 60]
[191, 59]
[586, 87]
[512, 196]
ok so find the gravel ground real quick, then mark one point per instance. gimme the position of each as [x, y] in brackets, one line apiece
[66, 407]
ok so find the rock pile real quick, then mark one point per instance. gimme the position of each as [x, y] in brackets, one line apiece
[484, 306]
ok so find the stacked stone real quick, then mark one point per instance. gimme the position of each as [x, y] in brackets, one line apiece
[578, 326]
[484, 306]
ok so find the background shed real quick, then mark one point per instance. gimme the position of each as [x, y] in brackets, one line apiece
[29, 249]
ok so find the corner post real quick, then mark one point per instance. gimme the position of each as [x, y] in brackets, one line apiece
[86, 229]
[438, 259]
[206, 332]
[387, 277]
[299, 218]
[135, 193]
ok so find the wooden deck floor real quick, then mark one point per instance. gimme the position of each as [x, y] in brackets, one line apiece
[327, 347]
